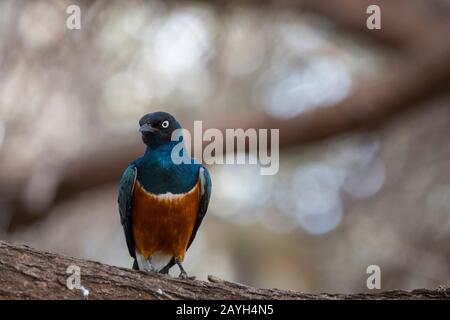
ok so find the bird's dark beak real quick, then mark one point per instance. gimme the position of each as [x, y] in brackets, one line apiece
[147, 128]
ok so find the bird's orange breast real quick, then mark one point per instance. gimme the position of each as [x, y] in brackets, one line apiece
[164, 223]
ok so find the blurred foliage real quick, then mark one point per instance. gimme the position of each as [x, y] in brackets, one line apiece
[377, 197]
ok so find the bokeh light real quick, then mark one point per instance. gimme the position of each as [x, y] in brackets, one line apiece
[71, 99]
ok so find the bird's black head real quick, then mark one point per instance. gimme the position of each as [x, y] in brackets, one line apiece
[157, 128]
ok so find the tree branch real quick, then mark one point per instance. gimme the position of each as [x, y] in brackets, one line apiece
[26, 273]
[404, 25]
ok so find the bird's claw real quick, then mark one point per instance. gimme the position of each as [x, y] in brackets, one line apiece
[183, 275]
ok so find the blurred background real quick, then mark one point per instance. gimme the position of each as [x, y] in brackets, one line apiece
[364, 118]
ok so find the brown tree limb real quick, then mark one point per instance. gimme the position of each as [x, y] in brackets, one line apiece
[405, 85]
[26, 273]
[405, 24]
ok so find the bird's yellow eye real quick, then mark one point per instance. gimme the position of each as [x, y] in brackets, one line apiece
[165, 124]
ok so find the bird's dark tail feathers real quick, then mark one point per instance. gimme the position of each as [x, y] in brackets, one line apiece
[135, 265]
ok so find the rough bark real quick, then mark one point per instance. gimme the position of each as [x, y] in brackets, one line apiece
[26, 273]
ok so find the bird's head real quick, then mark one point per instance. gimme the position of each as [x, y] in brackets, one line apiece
[157, 128]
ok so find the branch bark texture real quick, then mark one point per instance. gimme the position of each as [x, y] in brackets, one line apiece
[26, 273]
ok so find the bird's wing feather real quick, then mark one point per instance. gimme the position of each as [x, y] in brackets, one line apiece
[205, 181]
[126, 189]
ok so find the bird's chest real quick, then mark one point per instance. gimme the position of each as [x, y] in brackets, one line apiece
[159, 175]
[164, 222]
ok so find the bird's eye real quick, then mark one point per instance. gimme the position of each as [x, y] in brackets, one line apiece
[165, 124]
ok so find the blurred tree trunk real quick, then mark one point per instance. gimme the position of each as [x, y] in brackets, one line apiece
[29, 274]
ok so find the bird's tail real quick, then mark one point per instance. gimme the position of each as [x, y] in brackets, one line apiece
[135, 265]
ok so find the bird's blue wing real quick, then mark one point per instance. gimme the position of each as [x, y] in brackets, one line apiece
[205, 180]
[126, 189]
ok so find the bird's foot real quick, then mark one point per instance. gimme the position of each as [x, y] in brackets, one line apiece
[183, 275]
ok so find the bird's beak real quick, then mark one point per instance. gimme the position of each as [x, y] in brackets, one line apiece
[147, 128]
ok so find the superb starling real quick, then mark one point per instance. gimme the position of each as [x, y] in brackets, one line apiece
[162, 202]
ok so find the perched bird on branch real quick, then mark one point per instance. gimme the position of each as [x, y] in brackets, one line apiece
[162, 202]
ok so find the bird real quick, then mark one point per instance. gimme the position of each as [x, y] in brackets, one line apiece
[162, 202]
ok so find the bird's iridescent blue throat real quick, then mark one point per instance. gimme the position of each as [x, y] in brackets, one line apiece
[157, 165]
